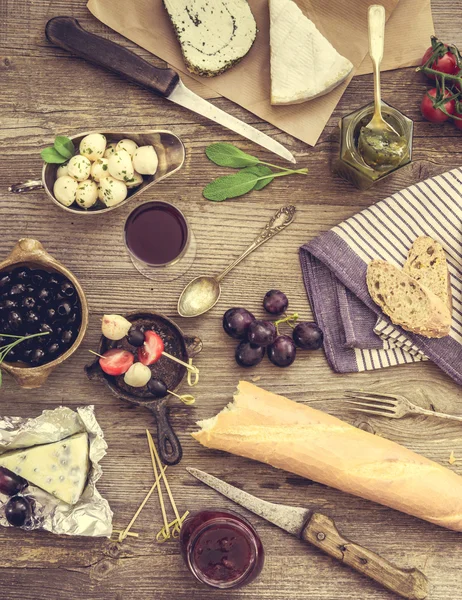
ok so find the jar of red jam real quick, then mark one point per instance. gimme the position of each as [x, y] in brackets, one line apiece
[221, 549]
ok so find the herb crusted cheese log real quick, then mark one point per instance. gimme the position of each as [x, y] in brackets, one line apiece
[214, 34]
[294, 437]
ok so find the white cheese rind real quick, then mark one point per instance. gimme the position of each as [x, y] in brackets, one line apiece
[214, 34]
[61, 468]
[304, 64]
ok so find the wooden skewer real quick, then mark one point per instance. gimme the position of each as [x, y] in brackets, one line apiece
[159, 491]
[154, 452]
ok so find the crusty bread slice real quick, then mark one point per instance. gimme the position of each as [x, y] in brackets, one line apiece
[426, 262]
[407, 302]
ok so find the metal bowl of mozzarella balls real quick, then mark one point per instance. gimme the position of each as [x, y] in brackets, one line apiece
[109, 169]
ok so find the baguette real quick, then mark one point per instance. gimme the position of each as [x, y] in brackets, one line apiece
[407, 302]
[294, 437]
[426, 263]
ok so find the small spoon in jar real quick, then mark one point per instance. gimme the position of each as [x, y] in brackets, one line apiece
[379, 144]
[202, 293]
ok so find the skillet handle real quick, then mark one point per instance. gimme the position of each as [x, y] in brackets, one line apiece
[169, 445]
[27, 186]
[68, 34]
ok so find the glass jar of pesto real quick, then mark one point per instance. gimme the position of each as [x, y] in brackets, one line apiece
[350, 164]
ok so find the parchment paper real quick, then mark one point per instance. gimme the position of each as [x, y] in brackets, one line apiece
[343, 22]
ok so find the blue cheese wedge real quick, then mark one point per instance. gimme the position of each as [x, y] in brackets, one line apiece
[304, 64]
[60, 468]
[214, 34]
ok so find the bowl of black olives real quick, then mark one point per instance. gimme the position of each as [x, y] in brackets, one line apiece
[43, 313]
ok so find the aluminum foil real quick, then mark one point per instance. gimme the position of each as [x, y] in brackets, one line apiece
[91, 516]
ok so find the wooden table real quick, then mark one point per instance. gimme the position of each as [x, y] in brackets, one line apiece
[44, 92]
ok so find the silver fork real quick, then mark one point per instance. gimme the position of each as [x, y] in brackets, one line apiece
[390, 405]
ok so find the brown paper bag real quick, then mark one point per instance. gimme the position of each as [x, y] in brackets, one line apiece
[343, 22]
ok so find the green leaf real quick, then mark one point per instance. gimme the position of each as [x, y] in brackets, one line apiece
[260, 171]
[50, 155]
[64, 146]
[230, 186]
[227, 155]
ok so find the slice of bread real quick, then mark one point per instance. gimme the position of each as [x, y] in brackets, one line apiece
[426, 262]
[407, 302]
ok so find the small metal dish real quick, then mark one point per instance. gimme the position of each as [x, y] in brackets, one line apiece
[31, 253]
[176, 343]
[170, 152]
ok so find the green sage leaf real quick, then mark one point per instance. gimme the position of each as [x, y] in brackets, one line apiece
[260, 171]
[64, 146]
[50, 155]
[227, 155]
[230, 186]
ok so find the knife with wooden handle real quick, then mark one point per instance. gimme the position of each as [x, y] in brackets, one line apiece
[321, 531]
[68, 34]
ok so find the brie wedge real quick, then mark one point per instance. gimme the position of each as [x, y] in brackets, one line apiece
[60, 468]
[214, 34]
[304, 65]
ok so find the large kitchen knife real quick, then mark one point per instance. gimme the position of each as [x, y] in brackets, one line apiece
[68, 34]
[321, 531]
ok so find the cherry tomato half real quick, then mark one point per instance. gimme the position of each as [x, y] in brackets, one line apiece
[444, 64]
[436, 115]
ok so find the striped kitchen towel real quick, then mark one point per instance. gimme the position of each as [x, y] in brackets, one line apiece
[357, 335]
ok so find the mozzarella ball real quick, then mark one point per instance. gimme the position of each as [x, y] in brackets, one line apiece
[129, 145]
[62, 170]
[137, 375]
[110, 149]
[135, 181]
[87, 193]
[145, 160]
[99, 169]
[79, 167]
[112, 191]
[120, 165]
[65, 189]
[115, 327]
[93, 146]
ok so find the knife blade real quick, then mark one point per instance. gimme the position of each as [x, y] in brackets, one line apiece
[67, 33]
[319, 530]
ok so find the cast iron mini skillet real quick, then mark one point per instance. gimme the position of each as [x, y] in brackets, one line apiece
[177, 344]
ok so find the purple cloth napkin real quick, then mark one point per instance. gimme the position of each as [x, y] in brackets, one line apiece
[358, 336]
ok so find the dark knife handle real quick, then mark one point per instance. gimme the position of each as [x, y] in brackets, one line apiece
[322, 532]
[68, 34]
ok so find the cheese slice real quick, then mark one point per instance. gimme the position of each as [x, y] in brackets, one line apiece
[60, 468]
[214, 34]
[304, 65]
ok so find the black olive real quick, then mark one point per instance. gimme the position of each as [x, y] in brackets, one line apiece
[45, 295]
[64, 309]
[157, 388]
[26, 354]
[54, 280]
[31, 290]
[17, 290]
[31, 318]
[14, 320]
[5, 280]
[135, 337]
[58, 330]
[38, 277]
[53, 349]
[13, 355]
[21, 274]
[74, 317]
[8, 304]
[28, 302]
[45, 328]
[67, 336]
[37, 356]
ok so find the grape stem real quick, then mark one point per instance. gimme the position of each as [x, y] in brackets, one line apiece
[289, 319]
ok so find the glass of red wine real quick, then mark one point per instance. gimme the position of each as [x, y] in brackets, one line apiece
[159, 240]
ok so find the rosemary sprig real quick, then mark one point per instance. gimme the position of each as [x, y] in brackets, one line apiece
[18, 339]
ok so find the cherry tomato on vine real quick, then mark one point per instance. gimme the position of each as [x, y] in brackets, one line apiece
[444, 64]
[434, 114]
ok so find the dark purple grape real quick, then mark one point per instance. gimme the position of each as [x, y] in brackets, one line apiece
[275, 302]
[37, 356]
[45, 295]
[28, 302]
[67, 289]
[64, 309]
[39, 278]
[14, 320]
[261, 333]
[282, 351]
[236, 322]
[8, 304]
[66, 337]
[18, 511]
[135, 337]
[158, 388]
[308, 336]
[18, 289]
[248, 355]
[21, 274]
[10, 483]
[5, 280]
